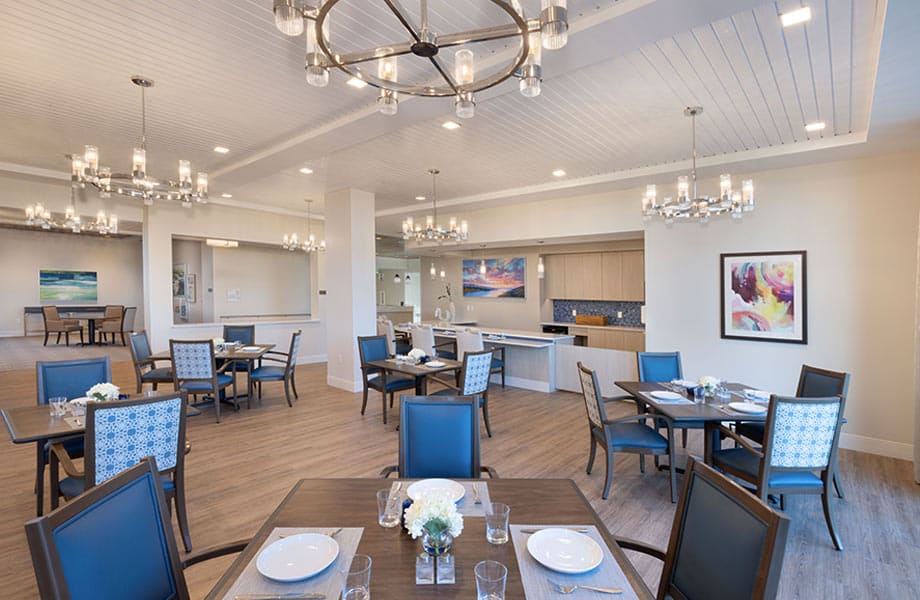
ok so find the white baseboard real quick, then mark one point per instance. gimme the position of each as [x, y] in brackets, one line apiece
[307, 359]
[870, 445]
[344, 384]
[15, 333]
[520, 382]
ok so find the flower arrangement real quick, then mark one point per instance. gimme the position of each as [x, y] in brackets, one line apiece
[433, 515]
[709, 384]
[102, 392]
[417, 354]
[218, 341]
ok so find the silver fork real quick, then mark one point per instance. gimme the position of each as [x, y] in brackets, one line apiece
[476, 498]
[568, 589]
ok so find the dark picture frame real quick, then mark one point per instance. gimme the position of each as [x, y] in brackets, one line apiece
[764, 296]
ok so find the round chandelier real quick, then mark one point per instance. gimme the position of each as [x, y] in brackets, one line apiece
[38, 215]
[85, 169]
[689, 204]
[448, 74]
[292, 242]
[433, 231]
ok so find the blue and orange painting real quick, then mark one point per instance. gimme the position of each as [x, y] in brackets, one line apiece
[67, 286]
[504, 278]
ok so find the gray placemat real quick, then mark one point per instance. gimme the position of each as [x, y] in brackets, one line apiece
[649, 396]
[329, 582]
[536, 578]
[467, 506]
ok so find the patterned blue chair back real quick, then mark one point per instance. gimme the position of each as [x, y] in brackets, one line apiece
[192, 359]
[476, 370]
[120, 434]
[802, 433]
[371, 348]
[140, 345]
[244, 334]
[122, 527]
[439, 437]
[659, 366]
[593, 403]
[70, 378]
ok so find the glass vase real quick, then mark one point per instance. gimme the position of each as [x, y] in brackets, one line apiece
[437, 545]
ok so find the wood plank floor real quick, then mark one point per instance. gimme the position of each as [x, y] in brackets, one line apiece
[239, 471]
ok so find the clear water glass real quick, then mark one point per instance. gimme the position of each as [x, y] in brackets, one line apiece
[387, 512]
[723, 394]
[491, 577]
[57, 406]
[699, 394]
[497, 523]
[357, 584]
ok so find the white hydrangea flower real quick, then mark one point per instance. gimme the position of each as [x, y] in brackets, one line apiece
[709, 383]
[417, 354]
[433, 514]
[103, 391]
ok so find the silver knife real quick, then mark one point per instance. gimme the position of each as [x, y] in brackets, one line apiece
[291, 596]
[393, 498]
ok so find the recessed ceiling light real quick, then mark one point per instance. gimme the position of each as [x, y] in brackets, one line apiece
[558, 173]
[356, 83]
[817, 126]
[306, 170]
[420, 198]
[221, 149]
[226, 195]
[450, 125]
[794, 17]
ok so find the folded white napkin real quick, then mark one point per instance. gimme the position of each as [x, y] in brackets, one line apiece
[757, 394]
[683, 382]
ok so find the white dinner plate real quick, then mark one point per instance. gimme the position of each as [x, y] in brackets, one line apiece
[297, 557]
[748, 407]
[434, 364]
[432, 487]
[564, 550]
[757, 395]
[79, 401]
[665, 395]
[250, 348]
[684, 382]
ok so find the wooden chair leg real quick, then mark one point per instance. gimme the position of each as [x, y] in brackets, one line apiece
[383, 399]
[642, 464]
[364, 401]
[40, 480]
[484, 402]
[58, 341]
[683, 433]
[67, 338]
[782, 501]
[591, 452]
[609, 478]
[294, 383]
[53, 474]
[154, 384]
[672, 466]
[45, 343]
[828, 518]
[837, 486]
[182, 516]
[123, 343]
[287, 392]
[81, 336]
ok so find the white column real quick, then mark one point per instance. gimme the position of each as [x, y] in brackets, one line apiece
[349, 305]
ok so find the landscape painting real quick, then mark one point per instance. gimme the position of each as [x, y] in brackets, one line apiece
[67, 286]
[763, 297]
[504, 278]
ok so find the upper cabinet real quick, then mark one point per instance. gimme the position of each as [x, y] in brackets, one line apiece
[618, 275]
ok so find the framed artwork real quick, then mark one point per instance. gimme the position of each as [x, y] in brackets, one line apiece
[763, 297]
[503, 278]
[191, 288]
[67, 286]
[178, 279]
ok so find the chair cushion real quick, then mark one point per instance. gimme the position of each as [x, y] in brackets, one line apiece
[394, 383]
[751, 430]
[205, 386]
[161, 374]
[72, 487]
[267, 374]
[497, 363]
[635, 435]
[740, 460]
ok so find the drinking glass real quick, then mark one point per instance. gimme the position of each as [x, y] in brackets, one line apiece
[490, 580]
[723, 394]
[387, 515]
[497, 523]
[357, 584]
[57, 406]
[699, 394]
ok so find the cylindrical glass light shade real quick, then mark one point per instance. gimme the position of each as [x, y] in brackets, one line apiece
[432, 271]
[464, 229]
[465, 106]
[464, 70]
[388, 67]
[139, 166]
[387, 102]
[90, 160]
[683, 188]
[554, 24]
[747, 195]
[541, 269]
[429, 222]
[113, 224]
[532, 70]
[288, 18]
[202, 186]
[76, 170]
[317, 72]
[185, 174]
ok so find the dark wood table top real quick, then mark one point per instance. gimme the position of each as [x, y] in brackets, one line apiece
[35, 423]
[232, 354]
[391, 365]
[352, 503]
[707, 411]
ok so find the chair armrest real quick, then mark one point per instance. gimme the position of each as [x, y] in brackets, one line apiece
[387, 470]
[637, 546]
[444, 382]
[276, 352]
[623, 398]
[639, 417]
[214, 552]
[227, 365]
[449, 344]
[499, 350]
[60, 454]
[741, 441]
[277, 360]
[490, 472]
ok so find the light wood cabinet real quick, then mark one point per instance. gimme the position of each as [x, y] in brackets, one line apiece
[595, 276]
[611, 275]
[634, 341]
[554, 276]
[575, 276]
[592, 276]
[633, 278]
[616, 339]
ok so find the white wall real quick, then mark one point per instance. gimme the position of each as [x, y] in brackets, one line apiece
[189, 253]
[270, 280]
[117, 262]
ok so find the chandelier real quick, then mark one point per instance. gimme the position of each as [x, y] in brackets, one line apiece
[379, 66]
[433, 231]
[37, 215]
[292, 243]
[85, 169]
[687, 206]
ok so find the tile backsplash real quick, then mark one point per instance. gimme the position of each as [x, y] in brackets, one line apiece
[632, 311]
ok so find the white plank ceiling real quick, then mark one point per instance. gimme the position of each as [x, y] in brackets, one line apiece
[612, 99]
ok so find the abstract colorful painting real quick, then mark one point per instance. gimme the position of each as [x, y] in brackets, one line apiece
[763, 297]
[67, 286]
[504, 278]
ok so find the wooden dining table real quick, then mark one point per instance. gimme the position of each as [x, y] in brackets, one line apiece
[709, 413]
[324, 503]
[419, 372]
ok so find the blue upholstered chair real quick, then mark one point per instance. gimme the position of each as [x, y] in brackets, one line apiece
[118, 436]
[145, 369]
[746, 562]
[439, 437]
[474, 381]
[798, 453]
[195, 372]
[663, 367]
[813, 383]
[627, 434]
[113, 542]
[245, 335]
[69, 379]
[371, 348]
[277, 373]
